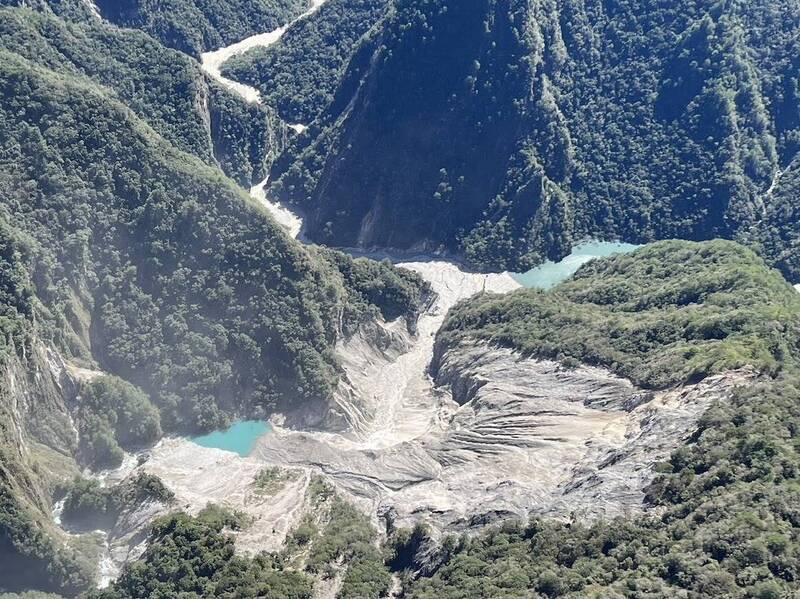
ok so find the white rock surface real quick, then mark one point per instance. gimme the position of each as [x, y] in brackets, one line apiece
[280, 213]
[387, 396]
[201, 475]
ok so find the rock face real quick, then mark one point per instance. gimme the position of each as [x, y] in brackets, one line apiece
[581, 440]
[386, 396]
[201, 475]
[37, 445]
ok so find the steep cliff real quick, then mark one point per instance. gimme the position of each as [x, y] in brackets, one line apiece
[37, 438]
[37, 448]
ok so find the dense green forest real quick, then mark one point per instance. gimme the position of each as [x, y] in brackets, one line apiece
[113, 415]
[163, 86]
[194, 26]
[507, 130]
[298, 75]
[190, 312]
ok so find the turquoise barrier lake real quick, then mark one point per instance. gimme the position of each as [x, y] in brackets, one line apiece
[240, 438]
[548, 274]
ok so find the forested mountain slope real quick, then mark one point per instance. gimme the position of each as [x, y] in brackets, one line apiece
[508, 130]
[143, 293]
[29, 557]
[200, 25]
[122, 252]
[670, 313]
[179, 269]
[163, 86]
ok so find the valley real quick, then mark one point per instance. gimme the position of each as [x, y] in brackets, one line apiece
[243, 356]
[461, 450]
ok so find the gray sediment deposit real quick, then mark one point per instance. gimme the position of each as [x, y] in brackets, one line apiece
[509, 436]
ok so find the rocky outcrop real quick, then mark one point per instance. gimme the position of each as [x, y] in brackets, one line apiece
[37, 387]
[363, 358]
[199, 476]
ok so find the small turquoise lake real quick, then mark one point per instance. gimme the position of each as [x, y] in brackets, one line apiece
[549, 274]
[240, 438]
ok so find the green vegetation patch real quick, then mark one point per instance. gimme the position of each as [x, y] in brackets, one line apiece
[193, 26]
[338, 539]
[669, 313]
[88, 505]
[272, 479]
[194, 557]
[114, 415]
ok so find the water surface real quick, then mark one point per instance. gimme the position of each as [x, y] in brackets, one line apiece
[549, 274]
[240, 438]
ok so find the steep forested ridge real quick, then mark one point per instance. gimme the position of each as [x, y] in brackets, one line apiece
[169, 256]
[29, 556]
[163, 86]
[508, 130]
[126, 248]
[670, 313]
[298, 75]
